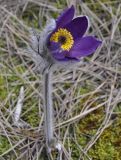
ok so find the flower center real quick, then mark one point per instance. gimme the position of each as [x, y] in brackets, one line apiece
[64, 37]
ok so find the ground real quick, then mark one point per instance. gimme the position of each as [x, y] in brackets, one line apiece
[92, 86]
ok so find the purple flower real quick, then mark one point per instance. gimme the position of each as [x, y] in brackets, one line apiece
[67, 41]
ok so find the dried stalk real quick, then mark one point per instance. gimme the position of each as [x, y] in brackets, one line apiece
[18, 108]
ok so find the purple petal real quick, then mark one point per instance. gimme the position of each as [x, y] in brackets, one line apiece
[53, 46]
[62, 56]
[84, 47]
[56, 51]
[58, 54]
[66, 58]
[78, 26]
[65, 17]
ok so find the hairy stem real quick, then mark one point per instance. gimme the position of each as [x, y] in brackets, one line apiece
[48, 109]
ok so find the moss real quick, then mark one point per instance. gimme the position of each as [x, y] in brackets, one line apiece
[85, 89]
[61, 4]
[32, 115]
[4, 144]
[30, 16]
[108, 146]
[2, 43]
[3, 91]
[75, 151]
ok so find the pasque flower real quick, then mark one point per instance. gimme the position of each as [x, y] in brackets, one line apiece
[67, 40]
[60, 41]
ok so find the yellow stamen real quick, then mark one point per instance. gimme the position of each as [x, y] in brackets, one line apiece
[64, 37]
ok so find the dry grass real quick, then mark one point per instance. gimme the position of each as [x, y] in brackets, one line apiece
[94, 88]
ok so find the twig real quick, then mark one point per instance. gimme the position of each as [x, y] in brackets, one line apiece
[19, 106]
